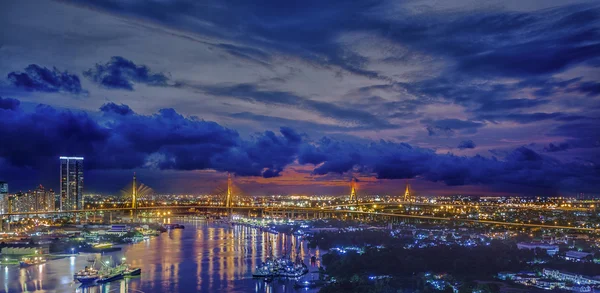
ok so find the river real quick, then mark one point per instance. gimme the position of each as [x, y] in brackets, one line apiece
[203, 257]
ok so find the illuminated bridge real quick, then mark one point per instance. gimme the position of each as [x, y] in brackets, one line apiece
[352, 209]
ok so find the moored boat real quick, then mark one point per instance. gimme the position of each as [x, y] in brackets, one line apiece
[282, 267]
[87, 271]
[112, 276]
[29, 261]
[89, 279]
[132, 271]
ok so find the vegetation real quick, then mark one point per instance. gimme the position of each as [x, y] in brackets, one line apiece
[405, 267]
[327, 240]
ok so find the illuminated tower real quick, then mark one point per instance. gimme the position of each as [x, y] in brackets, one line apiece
[407, 192]
[353, 197]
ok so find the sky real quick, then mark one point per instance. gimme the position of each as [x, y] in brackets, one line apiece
[455, 97]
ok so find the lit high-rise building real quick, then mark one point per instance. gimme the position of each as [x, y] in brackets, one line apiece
[71, 183]
[44, 199]
[3, 197]
[22, 202]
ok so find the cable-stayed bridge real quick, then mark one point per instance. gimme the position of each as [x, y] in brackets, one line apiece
[228, 199]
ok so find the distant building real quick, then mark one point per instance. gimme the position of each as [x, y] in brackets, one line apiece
[551, 249]
[118, 229]
[24, 249]
[71, 183]
[20, 202]
[44, 199]
[549, 284]
[573, 255]
[3, 197]
[38, 200]
[570, 277]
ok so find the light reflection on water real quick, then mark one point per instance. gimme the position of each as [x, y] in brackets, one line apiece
[203, 257]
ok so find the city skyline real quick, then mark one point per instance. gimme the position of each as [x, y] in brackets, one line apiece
[493, 99]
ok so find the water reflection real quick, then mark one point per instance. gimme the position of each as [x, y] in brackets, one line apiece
[203, 257]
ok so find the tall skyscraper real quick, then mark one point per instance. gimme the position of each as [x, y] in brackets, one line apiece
[3, 197]
[71, 183]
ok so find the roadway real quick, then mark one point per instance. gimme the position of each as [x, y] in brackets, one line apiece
[332, 209]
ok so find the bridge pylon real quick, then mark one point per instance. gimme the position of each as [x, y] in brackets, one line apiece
[353, 198]
[134, 198]
[407, 195]
[134, 193]
[228, 198]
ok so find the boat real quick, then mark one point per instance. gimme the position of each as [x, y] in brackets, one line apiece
[87, 271]
[29, 261]
[129, 271]
[110, 276]
[282, 267]
[263, 271]
[89, 279]
[110, 273]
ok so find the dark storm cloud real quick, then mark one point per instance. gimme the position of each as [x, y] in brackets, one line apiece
[123, 139]
[41, 79]
[29, 138]
[251, 93]
[9, 104]
[387, 160]
[116, 109]
[466, 144]
[120, 73]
